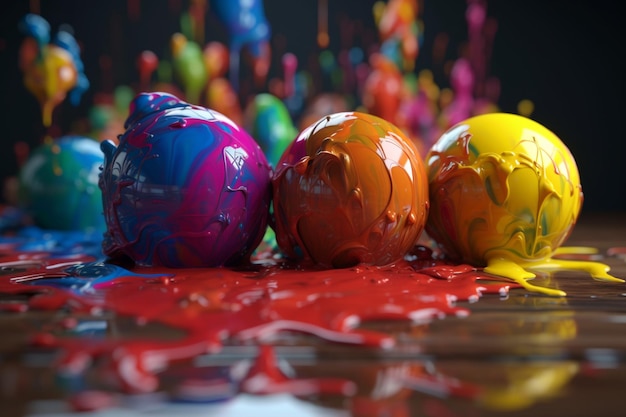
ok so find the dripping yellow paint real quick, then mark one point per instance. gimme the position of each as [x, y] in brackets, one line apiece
[505, 194]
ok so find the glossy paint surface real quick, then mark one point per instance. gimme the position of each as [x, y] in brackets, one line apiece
[186, 187]
[350, 189]
[505, 193]
[417, 337]
[215, 306]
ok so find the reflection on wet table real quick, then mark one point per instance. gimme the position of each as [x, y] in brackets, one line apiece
[501, 353]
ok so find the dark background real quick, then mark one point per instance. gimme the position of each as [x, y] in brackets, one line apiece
[565, 56]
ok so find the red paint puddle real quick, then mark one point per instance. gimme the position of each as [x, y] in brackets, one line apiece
[618, 251]
[222, 306]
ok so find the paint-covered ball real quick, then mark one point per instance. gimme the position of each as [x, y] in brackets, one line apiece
[350, 189]
[502, 186]
[58, 184]
[186, 187]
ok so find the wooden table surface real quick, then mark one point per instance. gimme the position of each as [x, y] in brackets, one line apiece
[520, 355]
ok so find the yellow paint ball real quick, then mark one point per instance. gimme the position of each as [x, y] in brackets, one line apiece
[50, 78]
[505, 194]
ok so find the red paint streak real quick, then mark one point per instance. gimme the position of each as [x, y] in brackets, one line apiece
[619, 252]
[257, 304]
[265, 377]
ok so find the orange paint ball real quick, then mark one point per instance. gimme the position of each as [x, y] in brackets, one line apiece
[351, 189]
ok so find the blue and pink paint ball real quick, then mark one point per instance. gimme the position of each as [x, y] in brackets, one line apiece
[185, 187]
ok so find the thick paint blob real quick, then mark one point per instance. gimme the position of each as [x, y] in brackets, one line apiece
[186, 187]
[268, 121]
[351, 189]
[52, 68]
[218, 306]
[248, 29]
[505, 193]
[255, 308]
[58, 184]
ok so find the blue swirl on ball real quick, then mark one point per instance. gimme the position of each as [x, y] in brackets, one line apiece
[186, 187]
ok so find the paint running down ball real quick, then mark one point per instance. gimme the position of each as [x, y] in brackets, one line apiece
[501, 185]
[58, 185]
[186, 187]
[505, 194]
[351, 189]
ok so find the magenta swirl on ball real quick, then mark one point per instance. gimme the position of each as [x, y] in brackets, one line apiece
[186, 187]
